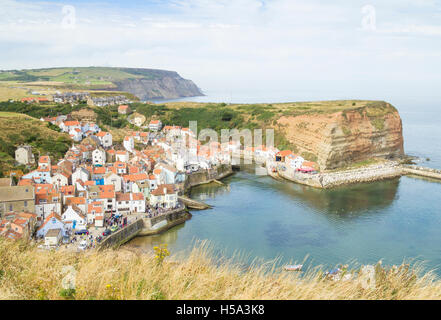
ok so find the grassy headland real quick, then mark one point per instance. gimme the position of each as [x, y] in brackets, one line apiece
[30, 273]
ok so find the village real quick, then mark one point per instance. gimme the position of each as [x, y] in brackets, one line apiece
[100, 187]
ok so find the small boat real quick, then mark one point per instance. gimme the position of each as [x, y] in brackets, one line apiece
[295, 267]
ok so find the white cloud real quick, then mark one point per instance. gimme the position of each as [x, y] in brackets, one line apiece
[233, 44]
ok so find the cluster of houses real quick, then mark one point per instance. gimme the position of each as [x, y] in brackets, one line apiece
[77, 130]
[74, 98]
[109, 101]
[97, 179]
[296, 162]
[31, 100]
[71, 97]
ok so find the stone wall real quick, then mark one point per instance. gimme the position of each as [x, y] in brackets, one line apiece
[122, 236]
[206, 176]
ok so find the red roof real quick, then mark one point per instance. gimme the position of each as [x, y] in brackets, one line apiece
[101, 134]
[284, 153]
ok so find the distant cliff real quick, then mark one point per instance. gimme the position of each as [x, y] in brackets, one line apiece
[160, 85]
[345, 137]
[146, 84]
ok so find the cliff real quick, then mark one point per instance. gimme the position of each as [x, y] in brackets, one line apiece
[144, 83]
[340, 138]
[160, 85]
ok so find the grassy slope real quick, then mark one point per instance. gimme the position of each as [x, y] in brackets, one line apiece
[16, 129]
[74, 78]
[29, 273]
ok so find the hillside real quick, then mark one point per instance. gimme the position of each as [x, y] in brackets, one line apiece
[143, 83]
[17, 129]
[31, 274]
[333, 133]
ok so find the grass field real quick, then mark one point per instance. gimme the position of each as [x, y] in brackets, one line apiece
[30, 273]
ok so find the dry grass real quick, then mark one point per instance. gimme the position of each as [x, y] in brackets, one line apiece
[29, 273]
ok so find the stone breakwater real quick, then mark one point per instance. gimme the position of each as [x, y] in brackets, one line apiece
[326, 180]
[422, 171]
[366, 174]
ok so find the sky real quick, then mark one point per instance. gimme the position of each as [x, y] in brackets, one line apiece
[352, 49]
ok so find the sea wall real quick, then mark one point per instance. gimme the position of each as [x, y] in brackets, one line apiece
[207, 176]
[159, 224]
[422, 171]
[122, 236]
[384, 170]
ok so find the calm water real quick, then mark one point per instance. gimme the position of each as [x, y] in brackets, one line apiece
[394, 220]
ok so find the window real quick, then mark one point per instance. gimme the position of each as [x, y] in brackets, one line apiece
[25, 203]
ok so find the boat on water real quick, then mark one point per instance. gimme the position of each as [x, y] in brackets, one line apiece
[294, 267]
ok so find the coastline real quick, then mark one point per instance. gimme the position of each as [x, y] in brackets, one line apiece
[160, 224]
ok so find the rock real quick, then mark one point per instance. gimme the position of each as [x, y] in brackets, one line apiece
[344, 137]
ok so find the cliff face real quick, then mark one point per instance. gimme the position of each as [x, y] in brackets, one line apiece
[344, 137]
[159, 85]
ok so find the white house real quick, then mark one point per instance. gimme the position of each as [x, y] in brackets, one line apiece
[130, 202]
[94, 211]
[67, 126]
[105, 139]
[80, 174]
[129, 143]
[113, 178]
[53, 237]
[122, 156]
[99, 157]
[53, 221]
[74, 217]
[130, 181]
[60, 179]
[164, 196]
[76, 134]
[294, 161]
[155, 125]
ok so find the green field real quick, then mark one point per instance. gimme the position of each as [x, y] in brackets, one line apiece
[95, 76]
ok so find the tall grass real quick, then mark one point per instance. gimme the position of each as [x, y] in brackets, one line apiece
[29, 273]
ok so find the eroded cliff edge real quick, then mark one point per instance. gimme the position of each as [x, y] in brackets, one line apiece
[160, 84]
[341, 138]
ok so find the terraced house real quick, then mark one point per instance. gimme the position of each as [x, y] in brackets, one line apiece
[17, 199]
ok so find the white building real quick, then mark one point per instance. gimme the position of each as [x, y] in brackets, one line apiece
[23, 155]
[112, 178]
[164, 196]
[122, 156]
[129, 143]
[155, 125]
[294, 161]
[74, 217]
[60, 179]
[130, 202]
[80, 174]
[105, 139]
[99, 157]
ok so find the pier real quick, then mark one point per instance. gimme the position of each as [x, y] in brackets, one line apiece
[421, 171]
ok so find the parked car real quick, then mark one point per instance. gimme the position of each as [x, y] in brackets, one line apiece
[81, 232]
[106, 232]
[114, 228]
